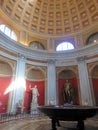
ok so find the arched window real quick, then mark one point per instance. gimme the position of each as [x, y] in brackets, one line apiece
[64, 46]
[8, 32]
[92, 39]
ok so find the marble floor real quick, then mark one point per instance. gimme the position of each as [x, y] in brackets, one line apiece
[44, 123]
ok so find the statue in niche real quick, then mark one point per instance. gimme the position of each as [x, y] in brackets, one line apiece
[68, 93]
[34, 102]
[35, 94]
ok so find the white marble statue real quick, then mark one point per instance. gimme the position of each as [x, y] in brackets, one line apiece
[34, 102]
[35, 94]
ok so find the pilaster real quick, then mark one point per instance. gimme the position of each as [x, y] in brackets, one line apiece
[19, 84]
[86, 98]
[51, 82]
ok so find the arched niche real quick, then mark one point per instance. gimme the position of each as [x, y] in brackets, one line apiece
[92, 39]
[36, 45]
[71, 76]
[34, 76]
[94, 75]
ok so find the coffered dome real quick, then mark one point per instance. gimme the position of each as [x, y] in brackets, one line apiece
[52, 17]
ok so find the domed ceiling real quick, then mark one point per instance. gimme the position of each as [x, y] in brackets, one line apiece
[52, 17]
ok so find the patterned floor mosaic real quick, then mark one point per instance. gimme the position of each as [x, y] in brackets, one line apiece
[44, 123]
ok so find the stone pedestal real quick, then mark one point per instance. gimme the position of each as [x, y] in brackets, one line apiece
[34, 109]
[19, 110]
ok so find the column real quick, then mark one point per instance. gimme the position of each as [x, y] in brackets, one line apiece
[51, 83]
[19, 85]
[85, 91]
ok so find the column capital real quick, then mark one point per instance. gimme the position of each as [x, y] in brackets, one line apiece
[81, 58]
[21, 56]
[51, 61]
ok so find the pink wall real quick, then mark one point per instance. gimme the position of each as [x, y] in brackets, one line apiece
[4, 83]
[95, 88]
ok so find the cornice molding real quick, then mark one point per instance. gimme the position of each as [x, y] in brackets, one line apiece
[18, 48]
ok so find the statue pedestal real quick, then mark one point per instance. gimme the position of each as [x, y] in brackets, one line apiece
[18, 110]
[34, 109]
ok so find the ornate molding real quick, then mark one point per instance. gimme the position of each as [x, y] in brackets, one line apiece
[27, 52]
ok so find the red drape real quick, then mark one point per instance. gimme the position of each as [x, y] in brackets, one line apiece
[28, 94]
[61, 83]
[4, 83]
[95, 88]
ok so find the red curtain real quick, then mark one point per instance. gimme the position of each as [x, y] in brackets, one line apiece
[95, 88]
[61, 83]
[4, 83]
[28, 94]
